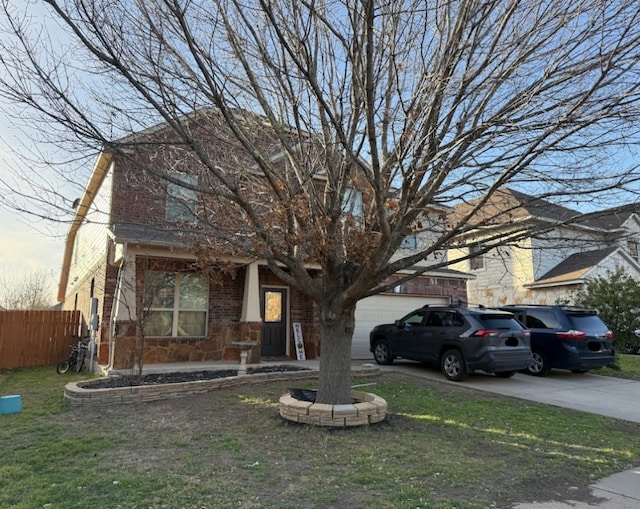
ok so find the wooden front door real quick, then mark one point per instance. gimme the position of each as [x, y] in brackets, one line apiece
[274, 321]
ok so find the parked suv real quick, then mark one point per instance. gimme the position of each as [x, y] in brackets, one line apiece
[565, 337]
[459, 340]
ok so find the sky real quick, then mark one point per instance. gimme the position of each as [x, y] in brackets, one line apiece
[28, 244]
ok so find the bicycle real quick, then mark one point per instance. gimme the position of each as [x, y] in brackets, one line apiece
[75, 360]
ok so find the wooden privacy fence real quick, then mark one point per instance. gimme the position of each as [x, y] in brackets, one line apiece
[36, 338]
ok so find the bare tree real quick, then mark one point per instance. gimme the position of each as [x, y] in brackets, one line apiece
[416, 104]
[25, 291]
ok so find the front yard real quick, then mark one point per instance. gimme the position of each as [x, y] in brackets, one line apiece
[628, 367]
[441, 447]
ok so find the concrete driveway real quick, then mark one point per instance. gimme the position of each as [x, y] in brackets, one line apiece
[613, 397]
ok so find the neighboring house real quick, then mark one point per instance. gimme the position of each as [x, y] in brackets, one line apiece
[127, 259]
[553, 262]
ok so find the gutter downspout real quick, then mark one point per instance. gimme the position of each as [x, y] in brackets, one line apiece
[114, 311]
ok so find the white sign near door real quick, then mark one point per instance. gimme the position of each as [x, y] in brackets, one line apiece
[298, 341]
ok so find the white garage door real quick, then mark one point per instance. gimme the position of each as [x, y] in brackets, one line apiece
[385, 308]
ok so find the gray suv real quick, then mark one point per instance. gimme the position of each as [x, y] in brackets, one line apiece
[458, 339]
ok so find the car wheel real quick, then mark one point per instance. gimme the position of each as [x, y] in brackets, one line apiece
[539, 366]
[453, 365]
[382, 353]
[505, 374]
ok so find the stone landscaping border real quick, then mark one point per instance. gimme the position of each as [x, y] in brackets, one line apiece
[367, 408]
[77, 393]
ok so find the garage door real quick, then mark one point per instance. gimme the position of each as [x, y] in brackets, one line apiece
[385, 308]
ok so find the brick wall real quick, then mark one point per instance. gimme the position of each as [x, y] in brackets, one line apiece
[224, 326]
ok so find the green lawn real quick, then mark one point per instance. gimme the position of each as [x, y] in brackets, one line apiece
[441, 447]
[626, 366]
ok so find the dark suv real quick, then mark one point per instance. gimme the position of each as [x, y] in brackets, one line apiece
[565, 337]
[459, 340]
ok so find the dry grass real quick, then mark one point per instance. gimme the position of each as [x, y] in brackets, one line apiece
[441, 447]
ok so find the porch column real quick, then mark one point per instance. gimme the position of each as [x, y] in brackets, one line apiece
[125, 292]
[250, 320]
[251, 299]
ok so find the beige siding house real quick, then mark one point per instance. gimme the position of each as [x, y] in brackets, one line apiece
[556, 259]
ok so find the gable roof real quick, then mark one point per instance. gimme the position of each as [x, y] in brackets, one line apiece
[578, 263]
[95, 181]
[507, 205]
[539, 208]
[575, 269]
[614, 218]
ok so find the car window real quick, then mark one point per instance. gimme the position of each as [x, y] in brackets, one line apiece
[444, 318]
[455, 320]
[587, 323]
[501, 322]
[542, 319]
[519, 315]
[435, 319]
[415, 318]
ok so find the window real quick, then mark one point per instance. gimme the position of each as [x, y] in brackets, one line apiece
[415, 318]
[633, 250]
[353, 205]
[409, 242]
[176, 304]
[542, 319]
[477, 260]
[273, 307]
[181, 201]
[444, 318]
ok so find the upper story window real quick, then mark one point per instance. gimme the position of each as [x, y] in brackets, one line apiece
[176, 304]
[409, 242]
[633, 250]
[181, 201]
[476, 261]
[353, 205]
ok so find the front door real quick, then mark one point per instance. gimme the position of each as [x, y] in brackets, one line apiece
[273, 303]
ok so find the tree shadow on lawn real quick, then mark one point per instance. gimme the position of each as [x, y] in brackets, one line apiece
[440, 444]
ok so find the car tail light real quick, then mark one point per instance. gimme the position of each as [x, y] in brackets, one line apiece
[483, 333]
[571, 334]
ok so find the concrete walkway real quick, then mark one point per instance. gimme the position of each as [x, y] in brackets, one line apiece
[618, 491]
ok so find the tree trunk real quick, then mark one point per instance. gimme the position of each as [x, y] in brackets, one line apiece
[336, 333]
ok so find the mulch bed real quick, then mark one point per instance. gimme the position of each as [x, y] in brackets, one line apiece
[172, 378]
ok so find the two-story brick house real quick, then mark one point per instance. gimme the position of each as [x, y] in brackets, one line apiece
[563, 250]
[132, 249]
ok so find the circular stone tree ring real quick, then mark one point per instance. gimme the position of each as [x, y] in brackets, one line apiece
[366, 408]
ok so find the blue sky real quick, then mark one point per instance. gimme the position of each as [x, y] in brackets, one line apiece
[28, 244]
